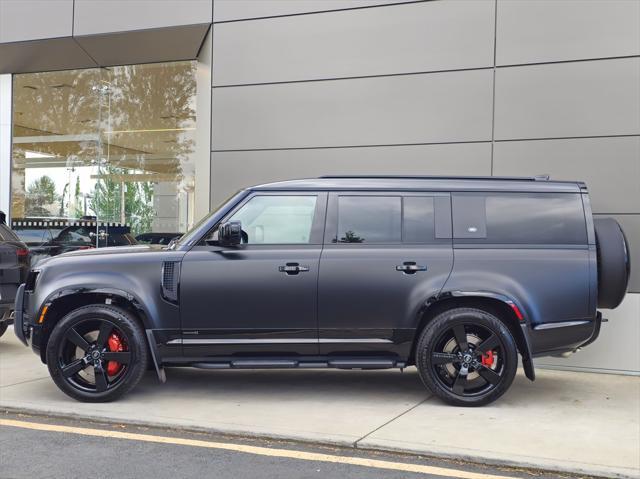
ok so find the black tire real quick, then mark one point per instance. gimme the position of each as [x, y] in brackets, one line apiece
[613, 262]
[443, 352]
[3, 327]
[94, 326]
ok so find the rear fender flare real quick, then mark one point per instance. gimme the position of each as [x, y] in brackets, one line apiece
[524, 341]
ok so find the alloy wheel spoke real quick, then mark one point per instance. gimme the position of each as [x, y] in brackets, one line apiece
[488, 344]
[77, 339]
[73, 368]
[461, 337]
[460, 383]
[103, 335]
[101, 378]
[489, 375]
[123, 357]
[444, 358]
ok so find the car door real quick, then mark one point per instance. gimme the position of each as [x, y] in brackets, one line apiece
[385, 254]
[259, 297]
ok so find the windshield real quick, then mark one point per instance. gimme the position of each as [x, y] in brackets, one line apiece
[194, 232]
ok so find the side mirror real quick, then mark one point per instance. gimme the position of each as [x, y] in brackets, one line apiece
[230, 233]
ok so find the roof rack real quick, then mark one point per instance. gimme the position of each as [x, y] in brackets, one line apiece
[436, 177]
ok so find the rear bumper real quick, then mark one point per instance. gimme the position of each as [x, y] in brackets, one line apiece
[550, 339]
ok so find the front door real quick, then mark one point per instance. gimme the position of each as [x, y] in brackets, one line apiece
[258, 298]
[385, 254]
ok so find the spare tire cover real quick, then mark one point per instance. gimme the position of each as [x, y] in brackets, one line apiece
[613, 262]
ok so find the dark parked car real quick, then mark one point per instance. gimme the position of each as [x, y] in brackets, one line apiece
[51, 237]
[157, 238]
[456, 276]
[14, 267]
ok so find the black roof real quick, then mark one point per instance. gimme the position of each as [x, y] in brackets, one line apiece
[427, 183]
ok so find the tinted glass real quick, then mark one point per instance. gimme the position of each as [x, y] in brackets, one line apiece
[277, 219]
[522, 218]
[34, 236]
[369, 219]
[418, 220]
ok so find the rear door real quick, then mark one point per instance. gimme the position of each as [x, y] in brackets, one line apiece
[384, 255]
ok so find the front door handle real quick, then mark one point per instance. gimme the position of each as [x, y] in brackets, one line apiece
[410, 267]
[293, 268]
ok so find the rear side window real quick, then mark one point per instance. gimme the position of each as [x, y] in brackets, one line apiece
[519, 218]
[369, 219]
[385, 219]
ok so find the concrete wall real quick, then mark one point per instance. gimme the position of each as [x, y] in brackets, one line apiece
[477, 87]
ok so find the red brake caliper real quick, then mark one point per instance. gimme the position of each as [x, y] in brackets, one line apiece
[487, 359]
[116, 345]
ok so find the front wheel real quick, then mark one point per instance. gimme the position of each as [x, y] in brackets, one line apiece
[97, 353]
[467, 357]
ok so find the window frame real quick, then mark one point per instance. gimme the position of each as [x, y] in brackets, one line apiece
[317, 227]
[442, 218]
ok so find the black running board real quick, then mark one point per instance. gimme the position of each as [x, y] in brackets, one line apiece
[291, 363]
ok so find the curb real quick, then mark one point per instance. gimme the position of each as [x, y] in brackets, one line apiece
[529, 464]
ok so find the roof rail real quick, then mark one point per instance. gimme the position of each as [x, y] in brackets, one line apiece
[436, 177]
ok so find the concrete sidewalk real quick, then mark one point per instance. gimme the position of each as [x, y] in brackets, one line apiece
[574, 422]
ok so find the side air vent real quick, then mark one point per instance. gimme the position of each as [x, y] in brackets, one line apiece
[170, 276]
[31, 281]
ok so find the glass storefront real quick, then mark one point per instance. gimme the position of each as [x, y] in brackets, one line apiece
[111, 146]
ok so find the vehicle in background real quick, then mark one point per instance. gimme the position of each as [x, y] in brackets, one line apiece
[51, 237]
[157, 238]
[14, 267]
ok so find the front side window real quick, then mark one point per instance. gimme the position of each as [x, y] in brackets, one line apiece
[286, 219]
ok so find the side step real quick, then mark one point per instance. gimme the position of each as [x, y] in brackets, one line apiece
[291, 363]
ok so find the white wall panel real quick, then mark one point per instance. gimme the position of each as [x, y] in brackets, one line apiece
[609, 166]
[437, 107]
[104, 16]
[408, 38]
[231, 171]
[22, 20]
[531, 31]
[225, 10]
[589, 98]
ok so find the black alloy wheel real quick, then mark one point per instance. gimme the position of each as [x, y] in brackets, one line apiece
[467, 357]
[97, 353]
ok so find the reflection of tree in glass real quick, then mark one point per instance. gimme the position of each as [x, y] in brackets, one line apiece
[41, 197]
[351, 237]
[138, 119]
[138, 195]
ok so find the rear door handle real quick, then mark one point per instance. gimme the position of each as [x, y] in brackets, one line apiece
[410, 267]
[293, 268]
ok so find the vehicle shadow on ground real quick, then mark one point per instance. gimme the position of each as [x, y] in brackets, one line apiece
[349, 386]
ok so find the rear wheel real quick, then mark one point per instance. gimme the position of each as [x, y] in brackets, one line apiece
[467, 357]
[97, 353]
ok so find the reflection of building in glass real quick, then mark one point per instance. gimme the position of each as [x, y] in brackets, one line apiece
[115, 143]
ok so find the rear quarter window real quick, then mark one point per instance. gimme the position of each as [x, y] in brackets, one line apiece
[519, 218]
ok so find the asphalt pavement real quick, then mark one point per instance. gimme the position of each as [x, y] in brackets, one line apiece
[44, 447]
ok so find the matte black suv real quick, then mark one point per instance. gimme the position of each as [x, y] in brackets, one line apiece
[454, 275]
